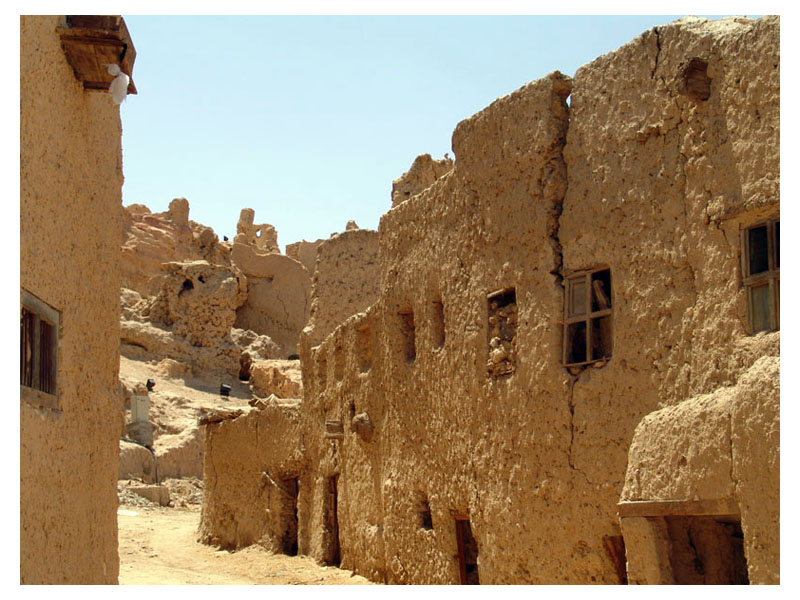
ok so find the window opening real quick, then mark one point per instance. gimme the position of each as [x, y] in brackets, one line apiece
[502, 332]
[338, 362]
[587, 318]
[424, 514]
[761, 260]
[39, 332]
[408, 334]
[364, 348]
[437, 324]
[467, 553]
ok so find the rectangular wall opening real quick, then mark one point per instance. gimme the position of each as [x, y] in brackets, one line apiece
[707, 550]
[424, 515]
[437, 324]
[330, 542]
[467, 553]
[502, 332]
[288, 515]
[338, 362]
[408, 334]
[364, 348]
[588, 334]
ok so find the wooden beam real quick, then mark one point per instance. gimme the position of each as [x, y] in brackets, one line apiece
[684, 508]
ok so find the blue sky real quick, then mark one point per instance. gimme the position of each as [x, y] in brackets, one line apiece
[309, 119]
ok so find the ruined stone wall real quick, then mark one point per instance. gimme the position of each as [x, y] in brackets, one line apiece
[305, 253]
[70, 229]
[423, 173]
[149, 240]
[344, 282]
[450, 389]
[242, 502]
[445, 432]
[278, 289]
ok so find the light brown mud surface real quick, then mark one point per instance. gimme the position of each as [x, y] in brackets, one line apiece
[158, 546]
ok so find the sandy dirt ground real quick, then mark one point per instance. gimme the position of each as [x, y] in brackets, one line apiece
[159, 546]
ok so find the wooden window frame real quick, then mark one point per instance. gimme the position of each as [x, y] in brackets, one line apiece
[586, 317]
[771, 275]
[41, 311]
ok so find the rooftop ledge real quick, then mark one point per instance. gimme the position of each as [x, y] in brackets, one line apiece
[91, 42]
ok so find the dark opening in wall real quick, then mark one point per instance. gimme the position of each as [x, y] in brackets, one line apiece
[437, 324]
[694, 80]
[408, 334]
[331, 550]
[288, 515]
[425, 516]
[707, 550]
[245, 363]
[502, 332]
[338, 362]
[467, 553]
[187, 285]
[364, 348]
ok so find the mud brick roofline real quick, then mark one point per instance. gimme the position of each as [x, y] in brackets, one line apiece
[91, 42]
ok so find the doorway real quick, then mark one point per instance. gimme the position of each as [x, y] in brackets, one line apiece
[289, 515]
[467, 552]
[331, 549]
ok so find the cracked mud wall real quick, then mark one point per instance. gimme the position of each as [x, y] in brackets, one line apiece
[637, 177]
[245, 457]
[344, 281]
[70, 230]
[722, 445]
[659, 188]
[444, 430]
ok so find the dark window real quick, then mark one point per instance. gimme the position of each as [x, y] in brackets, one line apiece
[437, 324]
[408, 334]
[587, 317]
[425, 516]
[38, 351]
[467, 553]
[762, 275]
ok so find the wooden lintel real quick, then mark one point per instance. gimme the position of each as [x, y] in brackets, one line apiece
[688, 508]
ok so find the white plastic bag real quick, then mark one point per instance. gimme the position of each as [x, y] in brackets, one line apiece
[119, 87]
